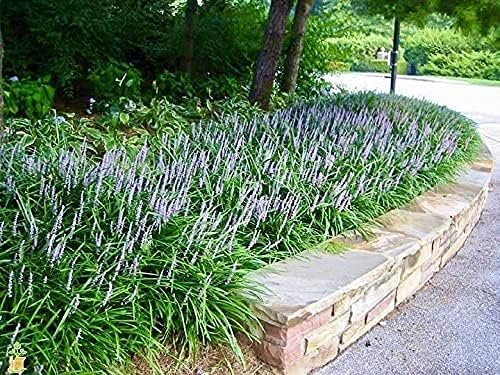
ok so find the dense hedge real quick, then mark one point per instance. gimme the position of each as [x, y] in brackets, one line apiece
[475, 64]
[359, 51]
[450, 53]
[443, 52]
[421, 46]
[106, 255]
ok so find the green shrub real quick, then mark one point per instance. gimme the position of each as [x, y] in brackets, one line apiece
[66, 130]
[174, 85]
[372, 65]
[165, 116]
[115, 80]
[109, 255]
[359, 52]
[67, 38]
[430, 51]
[178, 87]
[159, 115]
[314, 61]
[228, 38]
[339, 66]
[129, 122]
[423, 45]
[375, 65]
[24, 98]
[475, 64]
[223, 87]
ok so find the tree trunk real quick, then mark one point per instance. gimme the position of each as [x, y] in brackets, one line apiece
[267, 64]
[188, 49]
[302, 11]
[1, 75]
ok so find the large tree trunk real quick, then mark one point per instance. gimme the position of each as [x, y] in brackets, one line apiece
[1, 75]
[294, 52]
[267, 64]
[188, 49]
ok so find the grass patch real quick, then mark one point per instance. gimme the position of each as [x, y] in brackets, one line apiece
[110, 253]
[476, 81]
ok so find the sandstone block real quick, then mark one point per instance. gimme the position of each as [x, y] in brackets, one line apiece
[328, 334]
[414, 261]
[343, 305]
[376, 293]
[297, 288]
[453, 249]
[280, 335]
[408, 286]
[428, 269]
[383, 308]
[436, 249]
[280, 356]
[357, 329]
[354, 331]
[317, 358]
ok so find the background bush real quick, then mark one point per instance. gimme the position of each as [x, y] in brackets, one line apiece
[355, 38]
[422, 45]
[448, 52]
[475, 64]
[66, 38]
[358, 51]
[116, 80]
[24, 98]
[80, 42]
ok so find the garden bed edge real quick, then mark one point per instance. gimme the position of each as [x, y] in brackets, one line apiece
[318, 304]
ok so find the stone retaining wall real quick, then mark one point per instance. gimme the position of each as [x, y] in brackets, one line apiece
[318, 304]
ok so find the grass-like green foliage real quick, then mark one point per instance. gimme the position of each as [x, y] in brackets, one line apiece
[106, 256]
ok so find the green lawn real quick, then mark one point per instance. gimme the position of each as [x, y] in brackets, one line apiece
[476, 81]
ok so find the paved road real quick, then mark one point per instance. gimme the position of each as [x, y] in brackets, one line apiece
[452, 326]
[481, 103]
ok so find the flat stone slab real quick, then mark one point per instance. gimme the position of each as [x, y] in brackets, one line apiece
[301, 287]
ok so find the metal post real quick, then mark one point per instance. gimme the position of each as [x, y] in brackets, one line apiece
[394, 55]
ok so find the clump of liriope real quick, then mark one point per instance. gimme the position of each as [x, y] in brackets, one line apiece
[103, 257]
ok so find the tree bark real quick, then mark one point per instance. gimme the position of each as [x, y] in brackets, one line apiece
[188, 48]
[267, 64]
[302, 11]
[1, 75]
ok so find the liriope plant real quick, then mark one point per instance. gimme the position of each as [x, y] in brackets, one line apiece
[105, 256]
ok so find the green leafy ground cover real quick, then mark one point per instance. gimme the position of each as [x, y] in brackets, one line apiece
[111, 248]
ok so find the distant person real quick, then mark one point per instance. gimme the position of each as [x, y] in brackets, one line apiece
[381, 54]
